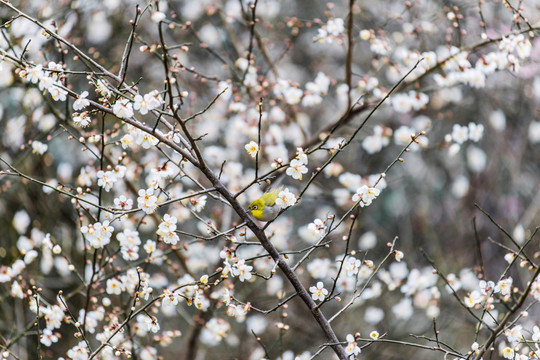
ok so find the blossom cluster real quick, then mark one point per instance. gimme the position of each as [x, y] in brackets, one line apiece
[331, 31]
[297, 167]
[98, 234]
[312, 96]
[254, 95]
[47, 78]
[123, 108]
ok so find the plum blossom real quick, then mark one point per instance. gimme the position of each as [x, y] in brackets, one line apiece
[158, 16]
[318, 292]
[460, 134]
[82, 119]
[98, 234]
[198, 203]
[48, 337]
[167, 230]
[123, 109]
[380, 138]
[114, 287]
[129, 242]
[242, 270]
[147, 201]
[366, 195]
[34, 74]
[148, 102]
[504, 286]
[146, 140]
[123, 203]
[81, 101]
[508, 353]
[214, 331]
[333, 29]
[353, 265]
[296, 169]
[252, 148]
[285, 199]
[106, 179]
[57, 93]
[352, 347]
[317, 228]
[79, 351]
[39, 148]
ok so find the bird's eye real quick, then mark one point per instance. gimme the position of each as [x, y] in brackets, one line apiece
[254, 207]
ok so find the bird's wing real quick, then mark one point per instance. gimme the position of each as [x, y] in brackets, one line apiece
[270, 197]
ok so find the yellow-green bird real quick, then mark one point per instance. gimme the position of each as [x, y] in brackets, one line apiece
[265, 208]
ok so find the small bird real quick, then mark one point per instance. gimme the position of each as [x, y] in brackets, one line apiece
[265, 208]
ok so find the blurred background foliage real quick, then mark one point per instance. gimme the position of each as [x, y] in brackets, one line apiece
[430, 199]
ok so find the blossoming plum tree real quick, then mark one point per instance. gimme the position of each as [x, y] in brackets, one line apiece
[136, 132]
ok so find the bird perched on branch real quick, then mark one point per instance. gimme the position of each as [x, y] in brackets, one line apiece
[265, 208]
